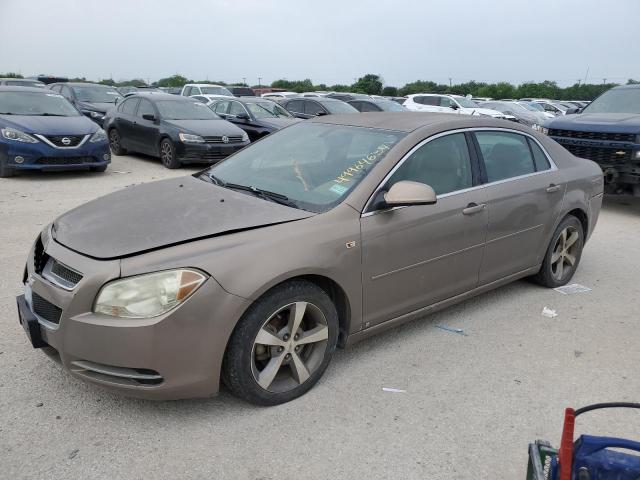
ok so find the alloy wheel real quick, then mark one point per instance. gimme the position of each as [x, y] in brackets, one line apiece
[114, 141]
[166, 153]
[565, 252]
[289, 347]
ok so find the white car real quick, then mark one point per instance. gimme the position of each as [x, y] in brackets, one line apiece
[279, 95]
[429, 102]
[191, 89]
[208, 99]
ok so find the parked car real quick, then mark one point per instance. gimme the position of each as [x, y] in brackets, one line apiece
[21, 82]
[372, 105]
[525, 116]
[535, 107]
[257, 116]
[179, 130]
[92, 99]
[314, 107]
[399, 100]
[41, 130]
[48, 79]
[171, 90]
[552, 107]
[278, 96]
[319, 235]
[315, 94]
[124, 91]
[204, 89]
[239, 91]
[429, 102]
[345, 96]
[209, 99]
[607, 131]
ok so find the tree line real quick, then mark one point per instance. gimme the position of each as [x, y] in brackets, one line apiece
[373, 84]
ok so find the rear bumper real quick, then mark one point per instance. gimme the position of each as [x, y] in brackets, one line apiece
[43, 157]
[206, 152]
[173, 356]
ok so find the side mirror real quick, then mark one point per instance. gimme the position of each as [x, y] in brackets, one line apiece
[149, 116]
[321, 113]
[242, 116]
[406, 193]
[453, 106]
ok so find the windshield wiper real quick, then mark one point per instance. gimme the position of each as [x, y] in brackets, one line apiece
[50, 115]
[6, 113]
[265, 194]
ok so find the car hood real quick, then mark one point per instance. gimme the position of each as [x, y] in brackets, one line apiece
[79, 125]
[161, 214]
[483, 111]
[279, 122]
[597, 122]
[206, 127]
[97, 107]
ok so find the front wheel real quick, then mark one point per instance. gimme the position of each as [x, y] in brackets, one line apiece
[563, 254]
[282, 345]
[115, 142]
[168, 154]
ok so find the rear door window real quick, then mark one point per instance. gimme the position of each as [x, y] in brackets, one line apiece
[539, 158]
[128, 106]
[221, 107]
[312, 108]
[295, 106]
[237, 109]
[506, 155]
[145, 108]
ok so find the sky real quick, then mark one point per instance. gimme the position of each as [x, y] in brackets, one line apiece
[328, 41]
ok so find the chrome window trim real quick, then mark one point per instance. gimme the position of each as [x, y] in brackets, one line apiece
[553, 167]
[45, 140]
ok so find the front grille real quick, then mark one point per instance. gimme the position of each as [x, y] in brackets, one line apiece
[64, 160]
[45, 309]
[65, 273]
[40, 258]
[616, 137]
[73, 140]
[599, 154]
[218, 139]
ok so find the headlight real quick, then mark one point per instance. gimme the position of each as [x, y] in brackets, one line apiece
[245, 137]
[99, 136]
[92, 114]
[149, 295]
[17, 136]
[637, 155]
[544, 130]
[189, 138]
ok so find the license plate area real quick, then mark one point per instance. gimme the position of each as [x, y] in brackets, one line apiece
[30, 323]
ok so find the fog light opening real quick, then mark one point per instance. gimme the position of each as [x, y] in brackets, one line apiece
[106, 156]
[18, 159]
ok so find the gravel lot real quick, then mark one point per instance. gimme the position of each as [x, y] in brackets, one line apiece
[472, 403]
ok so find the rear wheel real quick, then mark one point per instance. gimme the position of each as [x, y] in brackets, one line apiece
[282, 345]
[115, 142]
[563, 254]
[168, 154]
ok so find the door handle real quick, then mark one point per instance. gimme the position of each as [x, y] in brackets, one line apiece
[553, 188]
[473, 208]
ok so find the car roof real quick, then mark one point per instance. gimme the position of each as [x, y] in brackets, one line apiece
[624, 87]
[203, 85]
[16, 88]
[161, 96]
[399, 121]
[12, 79]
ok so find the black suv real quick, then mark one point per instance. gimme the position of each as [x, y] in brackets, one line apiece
[606, 131]
[92, 99]
[314, 107]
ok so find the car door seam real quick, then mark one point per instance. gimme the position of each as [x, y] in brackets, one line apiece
[515, 233]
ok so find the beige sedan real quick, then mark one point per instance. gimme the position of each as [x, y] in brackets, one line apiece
[253, 271]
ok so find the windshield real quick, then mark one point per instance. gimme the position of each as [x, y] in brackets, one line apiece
[623, 100]
[216, 91]
[97, 94]
[534, 106]
[25, 83]
[315, 165]
[181, 110]
[338, 107]
[466, 103]
[389, 106]
[267, 110]
[35, 103]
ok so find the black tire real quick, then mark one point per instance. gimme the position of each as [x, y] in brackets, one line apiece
[239, 366]
[168, 154]
[100, 169]
[551, 275]
[115, 143]
[5, 171]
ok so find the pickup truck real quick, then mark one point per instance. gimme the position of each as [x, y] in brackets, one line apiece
[606, 131]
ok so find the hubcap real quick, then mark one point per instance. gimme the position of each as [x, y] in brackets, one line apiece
[564, 255]
[166, 153]
[115, 140]
[289, 347]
